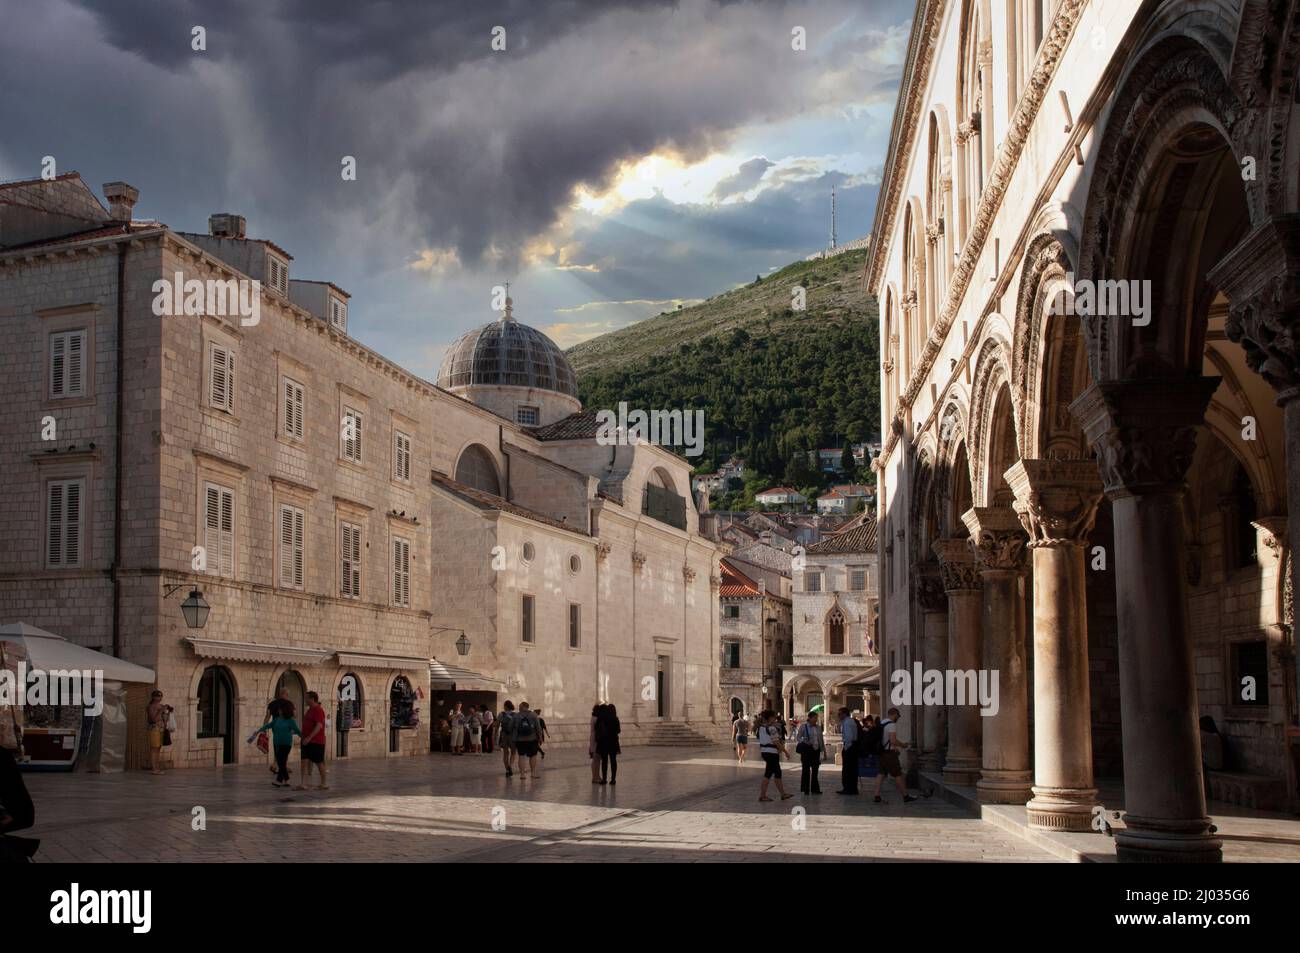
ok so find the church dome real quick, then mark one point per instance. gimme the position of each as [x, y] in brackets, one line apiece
[506, 353]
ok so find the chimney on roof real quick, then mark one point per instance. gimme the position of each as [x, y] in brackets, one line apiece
[121, 200]
[226, 225]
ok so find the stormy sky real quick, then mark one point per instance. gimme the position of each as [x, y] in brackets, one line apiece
[613, 160]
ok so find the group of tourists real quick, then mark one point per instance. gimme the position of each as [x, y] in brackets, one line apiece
[281, 721]
[871, 750]
[520, 735]
[469, 731]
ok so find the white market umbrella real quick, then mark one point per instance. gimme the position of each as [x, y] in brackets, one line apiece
[50, 652]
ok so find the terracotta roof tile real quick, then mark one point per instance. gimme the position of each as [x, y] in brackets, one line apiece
[859, 539]
[489, 501]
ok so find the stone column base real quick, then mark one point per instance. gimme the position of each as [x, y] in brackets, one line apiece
[1153, 840]
[961, 771]
[930, 760]
[996, 786]
[1062, 809]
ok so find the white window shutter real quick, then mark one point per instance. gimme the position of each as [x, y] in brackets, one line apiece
[227, 533]
[286, 546]
[219, 377]
[298, 400]
[299, 550]
[72, 525]
[54, 517]
[76, 349]
[58, 365]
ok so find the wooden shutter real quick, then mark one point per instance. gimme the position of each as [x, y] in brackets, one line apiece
[63, 523]
[401, 572]
[58, 365]
[350, 550]
[76, 351]
[291, 547]
[221, 378]
[219, 529]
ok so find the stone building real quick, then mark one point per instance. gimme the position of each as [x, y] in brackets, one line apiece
[836, 603]
[1092, 427]
[755, 632]
[346, 521]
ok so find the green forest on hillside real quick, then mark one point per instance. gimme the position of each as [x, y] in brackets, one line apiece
[772, 381]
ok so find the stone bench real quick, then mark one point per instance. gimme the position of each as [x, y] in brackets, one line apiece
[1255, 791]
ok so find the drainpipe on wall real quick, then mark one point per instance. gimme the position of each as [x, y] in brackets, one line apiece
[114, 571]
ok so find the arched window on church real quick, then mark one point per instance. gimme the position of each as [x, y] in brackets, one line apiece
[476, 469]
[835, 632]
[974, 112]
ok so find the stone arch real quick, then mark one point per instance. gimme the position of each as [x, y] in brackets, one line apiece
[476, 468]
[974, 99]
[1225, 423]
[914, 301]
[924, 516]
[1163, 162]
[891, 362]
[938, 210]
[992, 423]
[835, 630]
[952, 473]
[1048, 368]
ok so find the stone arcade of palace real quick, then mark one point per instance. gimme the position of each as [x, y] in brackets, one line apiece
[1096, 505]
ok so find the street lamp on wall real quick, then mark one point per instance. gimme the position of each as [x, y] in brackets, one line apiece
[195, 608]
[462, 644]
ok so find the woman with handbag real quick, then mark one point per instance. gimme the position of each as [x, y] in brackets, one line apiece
[810, 747]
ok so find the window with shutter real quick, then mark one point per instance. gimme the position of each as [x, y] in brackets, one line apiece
[291, 547]
[292, 414]
[68, 363]
[575, 625]
[526, 627]
[221, 378]
[401, 572]
[350, 561]
[401, 456]
[219, 529]
[64, 523]
[351, 435]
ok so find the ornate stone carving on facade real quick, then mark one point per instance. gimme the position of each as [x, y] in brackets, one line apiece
[928, 582]
[1144, 430]
[1274, 538]
[1056, 500]
[638, 560]
[715, 583]
[1261, 278]
[996, 538]
[909, 300]
[888, 366]
[688, 574]
[958, 568]
[602, 551]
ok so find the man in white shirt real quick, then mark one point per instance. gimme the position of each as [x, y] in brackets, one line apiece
[889, 762]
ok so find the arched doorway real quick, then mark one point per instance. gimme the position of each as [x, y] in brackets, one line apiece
[216, 709]
[737, 708]
[351, 712]
[402, 713]
[293, 683]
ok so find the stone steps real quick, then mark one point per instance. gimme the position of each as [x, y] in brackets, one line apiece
[675, 734]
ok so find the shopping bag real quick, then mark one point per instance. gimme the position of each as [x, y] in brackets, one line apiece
[263, 743]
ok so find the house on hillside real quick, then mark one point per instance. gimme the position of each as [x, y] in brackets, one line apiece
[781, 496]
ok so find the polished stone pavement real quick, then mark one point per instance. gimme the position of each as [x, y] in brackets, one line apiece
[671, 804]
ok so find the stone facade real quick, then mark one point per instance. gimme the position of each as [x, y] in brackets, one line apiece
[1100, 480]
[755, 629]
[310, 426]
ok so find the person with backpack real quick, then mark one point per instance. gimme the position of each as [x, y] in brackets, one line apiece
[505, 726]
[772, 747]
[810, 746]
[607, 746]
[889, 746]
[849, 755]
[526, 744]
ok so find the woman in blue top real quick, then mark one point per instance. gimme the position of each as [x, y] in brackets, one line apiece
[283, 728]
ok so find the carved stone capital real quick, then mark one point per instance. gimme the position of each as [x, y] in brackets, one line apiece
[928, 584]
[1056, 500]
[715, 583]
[1261, 279]
[688, 574]
[638, 560]
[957, 566]
[1274, 538]
[602, 551]
[1144, 430]
[997, 539]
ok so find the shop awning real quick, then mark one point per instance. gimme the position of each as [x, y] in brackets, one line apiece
[869, 679]
[444, 677]
[253, 652]
[366, 660]
[50, 653]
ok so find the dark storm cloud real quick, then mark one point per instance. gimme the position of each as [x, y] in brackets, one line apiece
[746, 177]
[457, 147]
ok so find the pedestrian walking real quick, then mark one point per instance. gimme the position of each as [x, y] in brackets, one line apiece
[526, 734]
[486, 717]
[607, 731]
[283, 727]
[849, 754]
[541, 733]
[156, 715]
[475, 731]
[811, 748]
[772, 747]
[457, 718]
[889, 762]
[273, 710]
[313, 742]
[591, 744]
[740, 737]
[505, 726]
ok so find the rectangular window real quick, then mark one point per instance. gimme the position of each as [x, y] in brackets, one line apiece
[291, 547]
[349, 561]
[575, 625]
[221, 378]
[401, 572]
[527, 416]
[733, 654]
[812, 582]
[277, 274]
[401, 457]
[68, 364]
[526, 620]
[338, 314]
[857, 578]
[291, 415]
[350, 437]
[219, 529]
[1250, 674]
[731, 612]
[64, 504]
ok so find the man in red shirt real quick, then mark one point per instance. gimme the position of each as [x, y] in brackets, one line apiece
[313, 741]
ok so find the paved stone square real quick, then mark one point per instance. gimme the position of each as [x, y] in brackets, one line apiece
[671, 804]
